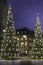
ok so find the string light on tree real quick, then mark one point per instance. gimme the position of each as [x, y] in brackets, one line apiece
[9, 42]
[37, 49]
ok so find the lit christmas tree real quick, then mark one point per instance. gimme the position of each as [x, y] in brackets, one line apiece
[9, 50]
[37, 50]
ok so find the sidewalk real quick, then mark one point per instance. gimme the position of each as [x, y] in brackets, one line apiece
[25, 58]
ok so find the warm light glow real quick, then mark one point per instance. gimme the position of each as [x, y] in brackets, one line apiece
[18, 39]
[22, 43]
[21, 38]
[3, 30]
[25, 43]
[25, 37]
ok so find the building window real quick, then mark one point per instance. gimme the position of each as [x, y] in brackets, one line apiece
[21, 39]
[22, 43]
[25, 37]
[25, 43]
[18, 39]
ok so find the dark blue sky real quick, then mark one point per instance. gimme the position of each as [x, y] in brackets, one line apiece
[25, 13]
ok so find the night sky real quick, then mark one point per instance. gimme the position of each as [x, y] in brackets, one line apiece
[25, 13]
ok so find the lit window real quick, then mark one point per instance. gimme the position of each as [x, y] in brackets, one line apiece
[22, 43]
[25, 43]
[18, 39]
[25, 37]
[21, 38]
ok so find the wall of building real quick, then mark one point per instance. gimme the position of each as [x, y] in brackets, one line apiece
[25, 41]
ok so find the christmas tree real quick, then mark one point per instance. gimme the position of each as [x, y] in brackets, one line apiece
[9, 50]
[37, 49]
